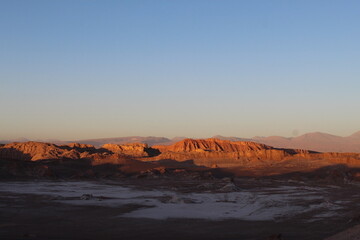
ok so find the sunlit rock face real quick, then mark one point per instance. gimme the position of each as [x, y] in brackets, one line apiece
[224, 153]
[34, 151]
[213, 145]
[80, 146]
[188, 153]
[131, 149]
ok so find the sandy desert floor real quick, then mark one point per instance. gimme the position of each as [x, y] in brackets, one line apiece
[176, 209]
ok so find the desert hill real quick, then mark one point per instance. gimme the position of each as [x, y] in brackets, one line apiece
[211, 148]
[225, 153]
[199, 155]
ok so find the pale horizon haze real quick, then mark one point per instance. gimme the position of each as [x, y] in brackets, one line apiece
[96, 69]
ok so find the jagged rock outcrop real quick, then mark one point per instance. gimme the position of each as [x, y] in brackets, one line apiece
[225, 153]
[131, 149]
[80, 146]
[213, 145]
[33, 151]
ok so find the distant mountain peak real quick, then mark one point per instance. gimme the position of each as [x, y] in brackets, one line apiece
[356, 134]
[317, 134]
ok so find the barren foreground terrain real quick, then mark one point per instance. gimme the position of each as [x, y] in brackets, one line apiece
[193, 189]
[246, 208]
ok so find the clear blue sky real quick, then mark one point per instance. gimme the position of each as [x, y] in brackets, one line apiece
[89, 69]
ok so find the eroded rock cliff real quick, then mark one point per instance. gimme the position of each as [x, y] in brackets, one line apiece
[188, 153]
[131, 149]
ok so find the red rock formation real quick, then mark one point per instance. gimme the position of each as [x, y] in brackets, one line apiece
[204, 152]
[34, 151]
[131, 149]
[213, 145]
[224, 153]
[78, 146]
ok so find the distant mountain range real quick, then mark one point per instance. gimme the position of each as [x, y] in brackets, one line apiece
[317, 141]
[98, 142]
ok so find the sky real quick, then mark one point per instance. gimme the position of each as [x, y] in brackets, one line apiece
[92, 69]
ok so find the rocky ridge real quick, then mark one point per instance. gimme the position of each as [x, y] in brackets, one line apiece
[188, 153]
[225, 153]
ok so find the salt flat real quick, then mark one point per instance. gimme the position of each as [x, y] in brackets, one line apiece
[252, 204]
[176, 209]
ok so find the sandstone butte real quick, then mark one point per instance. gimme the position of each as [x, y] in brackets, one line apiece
[204, 152]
